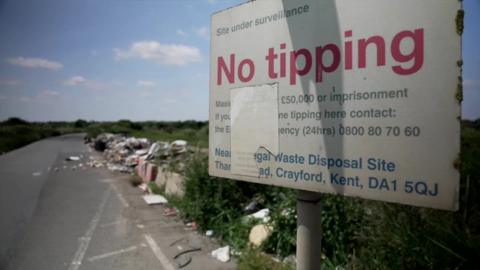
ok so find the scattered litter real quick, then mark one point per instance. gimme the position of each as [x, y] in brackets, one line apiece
[117, 168]
[291, 259]
[154, 199]
[73, 158]
[235, 252]
[140, 226]
[143, 187]
[185, 262]
[153, 149]
[252, 207]
[258, 234]
[263, 215]
[187, 251]
[209, 233]
[178, 146]
[132, 160]
[94, 164]
[37, 173]
[123, 154]
[170, 211]
[287, 212]
[141, 152]
[177, 241]
[222, 254]
[193, 225]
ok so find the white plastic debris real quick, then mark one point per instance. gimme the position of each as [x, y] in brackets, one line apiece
[209, 233]
[263, 215]
[143, 187]
[37, 173]
[153, 149]
[132, 160]
[73, 158]
[141, 152]
[222, 254]
[178, 146]
[154, 199]
[258, 234]
[117, 168]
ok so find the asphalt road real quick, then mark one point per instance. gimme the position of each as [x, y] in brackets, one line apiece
[58, 214]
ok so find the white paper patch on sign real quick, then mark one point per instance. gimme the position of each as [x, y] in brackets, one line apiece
[254, 123]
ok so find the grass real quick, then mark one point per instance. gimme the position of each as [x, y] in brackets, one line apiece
[197, 138]
[154, 188]
[255, 260]
[361, 234]
[15, 133]
[357, 233]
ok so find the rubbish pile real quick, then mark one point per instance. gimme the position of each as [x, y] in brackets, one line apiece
[125, 154]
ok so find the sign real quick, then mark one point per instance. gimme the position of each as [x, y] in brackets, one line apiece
[348, 97]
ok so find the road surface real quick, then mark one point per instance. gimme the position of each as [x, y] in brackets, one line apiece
[58, 214]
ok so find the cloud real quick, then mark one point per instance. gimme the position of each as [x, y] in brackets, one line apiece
[145, 83]
[34, 63]
[212, 1]
[75, 80]
[145, 93]
[49, 93]
[26, 99]
[203, 32]
[42, 97]
[97, 85]
[166, 54]
[170, 100]
[10, 82]
[182, 33]
[89, 84]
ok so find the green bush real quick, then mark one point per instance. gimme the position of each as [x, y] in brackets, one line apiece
[14, 121]
[80, 123]
[254, 260]
[15, 136]
[357, 233]
[404, 237]
[282, 240]
[213, 203]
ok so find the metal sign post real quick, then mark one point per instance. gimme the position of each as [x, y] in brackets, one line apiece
[309, 230]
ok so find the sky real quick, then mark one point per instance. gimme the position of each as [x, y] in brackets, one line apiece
[131, 59]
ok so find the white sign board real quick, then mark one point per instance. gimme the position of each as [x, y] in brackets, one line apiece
[348, 97]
